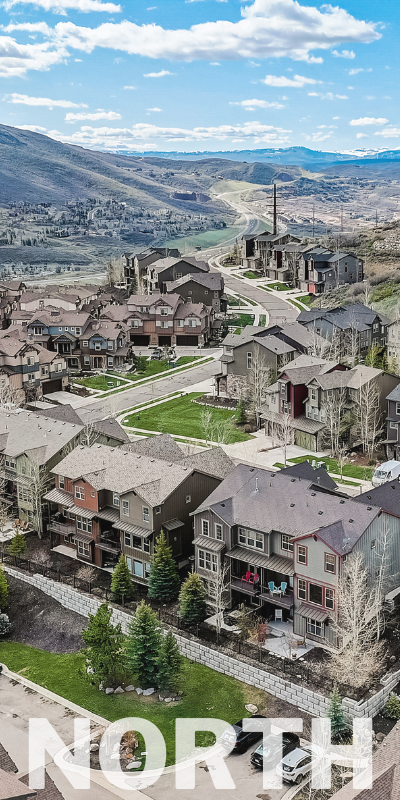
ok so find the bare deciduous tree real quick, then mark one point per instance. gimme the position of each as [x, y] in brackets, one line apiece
[216, 430]
[38, 486]
[259, 380]
[284, 432]
[10, 398]
[359, 655]
[369, 423]
[89, 434]
[334, 401]
[218, 592]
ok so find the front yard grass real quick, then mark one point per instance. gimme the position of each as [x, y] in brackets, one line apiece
[181, 417]
[205, 693]
[153, 368]
[279, 287]
[242, 320]
[252, 275]
[349, 470]
[101, 382]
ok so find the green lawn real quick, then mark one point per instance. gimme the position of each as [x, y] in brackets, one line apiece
[242, 320]
[206, 693]
[307, 299]
[182, 417]
[279, 287]
[263, 320]
[337, 480]
[349, 470]
[153, 368]
[242, 301]
[101, 382]
[264, 288]
[252, 275]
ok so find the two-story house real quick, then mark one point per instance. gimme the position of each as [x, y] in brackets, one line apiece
[205, 288]
[159, 273]
[103, 345]
[320, 270]
[28, 368]
[113, 500]
[392, 442]
[284, 540]
[352, 327]
[135, 265]
[10, 293]
[257, 251]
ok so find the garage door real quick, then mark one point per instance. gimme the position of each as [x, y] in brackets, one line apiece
[164, 340]
[52, 386]
[306, 440]
[187, 341]
[140, 340]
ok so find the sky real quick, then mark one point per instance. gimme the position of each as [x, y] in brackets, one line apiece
[203, 75]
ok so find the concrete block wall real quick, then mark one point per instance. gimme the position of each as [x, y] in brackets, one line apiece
[305, 699]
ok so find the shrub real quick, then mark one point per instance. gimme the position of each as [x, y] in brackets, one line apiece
[164, 578]
[169, 662]
[339, 726]
[121, 581]
[17, 546]
[192, 600]
[392, 707]
[103, 647]
[143, 645]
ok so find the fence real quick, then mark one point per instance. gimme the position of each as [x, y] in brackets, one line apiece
[301, 673]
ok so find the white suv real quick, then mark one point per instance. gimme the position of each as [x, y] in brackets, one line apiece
[295, 765]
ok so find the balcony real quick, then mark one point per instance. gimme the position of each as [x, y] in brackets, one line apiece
[245, 587]
[63, 529]
[109, 544]
[285, 601]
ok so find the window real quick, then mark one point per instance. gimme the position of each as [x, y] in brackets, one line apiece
[208, 561]
[205, 527]
[110, 345]
[393, 426]
[92, 494]
[84, 524]
[164, 312]
[24, 495]
[84, 549]
[157, 509]
[302, 589]
[251, 538]
[138, 569]
[287, 543]
[31, 376]
[329, 598]
[79, 493]
[85, 343]
[315, 594]
[164, 324]
[30, 361]
[249, 360]
[146, 546]
[127, 539]
[61, 482]
[218, 531]
[146, 514]
[78, 331]
[45, 370]
[10, 462]
[136, 542]
[87, 360]
[373, 544]
[110, 362]
[188, 498]
[205, 291]
[315, 628]
[398, 409]
[97, 345]
[129, 563]
[125, 508]
[313, 394]
[193, 323]
[37, 331]
[330, 564]
[302, 554]
[181, 323]
[178, 275]
[136, 323]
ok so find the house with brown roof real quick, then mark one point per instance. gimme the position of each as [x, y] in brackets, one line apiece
[113, 500]
[385, 773]
[165, 319]
[207, 288]
[28, 368]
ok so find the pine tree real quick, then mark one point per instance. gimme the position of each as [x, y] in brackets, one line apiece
[241, 416]
[17, 546]
[339, 726]
[164, 578]
[3, 590]
[143, 645]
[121, 581]
[192, 600]
[103, 646]
[5, 625]
[169, 662]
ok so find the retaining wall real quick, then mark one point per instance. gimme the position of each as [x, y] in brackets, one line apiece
[305, 699]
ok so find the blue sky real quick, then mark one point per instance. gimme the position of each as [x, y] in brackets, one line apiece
[202, 74]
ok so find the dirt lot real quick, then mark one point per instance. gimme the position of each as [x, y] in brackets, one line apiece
[41, 622]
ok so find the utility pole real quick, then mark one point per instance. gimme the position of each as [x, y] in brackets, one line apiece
[275, 213]
[376, 217]
[313, 221]
[341, 218]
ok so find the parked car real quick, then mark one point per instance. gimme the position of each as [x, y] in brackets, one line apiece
[156, 355]
[242, 739]
[386, 472]
[295, 765]
[271, 750]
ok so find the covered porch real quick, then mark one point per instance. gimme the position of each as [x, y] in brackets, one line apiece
[260, 579]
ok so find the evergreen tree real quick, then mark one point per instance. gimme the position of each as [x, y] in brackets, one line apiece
[169, 662]
[339, 726]
[5, 625]
[241, 416]
[121, 581]
[192, 600]
[103, 646]
[143, 645]
[164, 578]
[17, 546]
[3, 590]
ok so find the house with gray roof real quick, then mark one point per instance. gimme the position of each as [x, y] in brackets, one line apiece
[353, 327]
[392, 441]
[284, 538]
[111, 500]
[207, 288]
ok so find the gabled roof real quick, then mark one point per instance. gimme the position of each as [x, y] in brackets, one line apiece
[211, 280]
[164, 447]
[395, 394]
[39, 436]
[11, 788]
[317, 476]
[386, 496]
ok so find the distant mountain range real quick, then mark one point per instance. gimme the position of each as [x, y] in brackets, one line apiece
[291, 156]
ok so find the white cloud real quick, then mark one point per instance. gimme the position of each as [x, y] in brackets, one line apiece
[31, 27]
[130, 88]
[110, 115]
[362, 136]
[25, 100]
[389, 133]
[328, 96]
[319, 137]
[298, 81]
[61, 6]
[154, 110]
[268, 28]
[360, 69]
[251, 105]
[16, 59]
[369, 121]
[160, 74]
[117, 138]
[344, 54]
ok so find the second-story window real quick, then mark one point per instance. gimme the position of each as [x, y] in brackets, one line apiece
[398, 409]
[125, 508]
[302, 554]
[249, 360]
[61, 482]
[218, 531]
[329, 598]
[79, 493]
[116, 500]
[251, 538]
[315, 594]
[146, 514]
[287, 543]
[330, 564]
[302, 589]
[205, 527]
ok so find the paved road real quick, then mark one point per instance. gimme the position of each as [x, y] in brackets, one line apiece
[119, 402]
[278, 310]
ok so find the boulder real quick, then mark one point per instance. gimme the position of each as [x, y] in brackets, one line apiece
[129, 688]
[177, 699]
[94, 747]
[380, 737]
[252, 709]
[134, 765]
[119, 690]
[148, 692]
[109, 691]
[139, 691]
[168, 700]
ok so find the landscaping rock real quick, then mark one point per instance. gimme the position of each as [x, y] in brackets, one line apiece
[168, 700]
[380, 737]
[252, 709]
[109, 691]
[139, 691]
[119, 690]
[101, 686]
[129, 688]
[89, 671]
[177, 699]
[134, 765]
[148, 692]
[94, 747]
